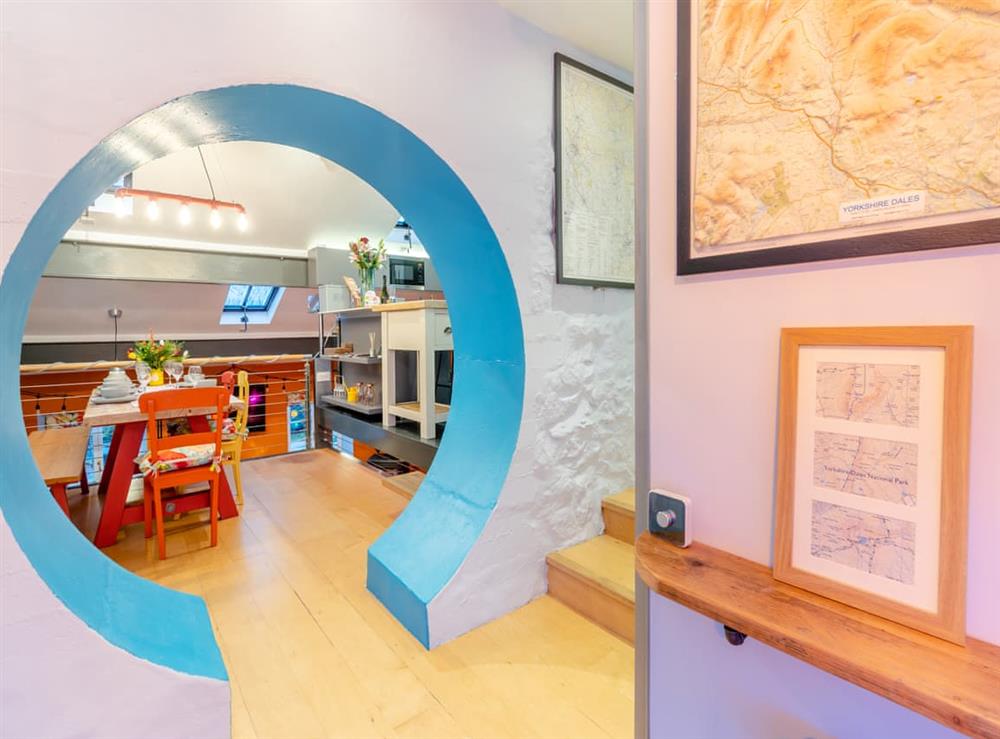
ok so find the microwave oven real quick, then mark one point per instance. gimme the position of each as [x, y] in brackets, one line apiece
[406, 272]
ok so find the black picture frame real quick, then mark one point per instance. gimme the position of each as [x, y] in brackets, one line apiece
[558, 60]
[969, 233]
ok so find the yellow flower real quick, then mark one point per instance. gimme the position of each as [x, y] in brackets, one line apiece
[131, 355]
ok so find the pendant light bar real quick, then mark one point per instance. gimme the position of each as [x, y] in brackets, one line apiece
[131, 192]
[152, 210]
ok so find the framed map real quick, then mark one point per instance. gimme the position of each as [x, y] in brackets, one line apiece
[595, 177]
[818, 130]
[872, 470]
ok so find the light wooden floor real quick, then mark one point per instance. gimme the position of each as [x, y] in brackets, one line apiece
[311, 653]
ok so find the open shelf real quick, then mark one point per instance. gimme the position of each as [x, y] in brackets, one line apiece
[368, 410]
[348, 312]
[412, 410]
[957, 686]
[353, 359]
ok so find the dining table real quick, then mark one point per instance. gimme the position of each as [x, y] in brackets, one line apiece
[120, 468]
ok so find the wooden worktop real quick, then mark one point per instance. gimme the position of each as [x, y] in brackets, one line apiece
[410, 305]
[955, 685]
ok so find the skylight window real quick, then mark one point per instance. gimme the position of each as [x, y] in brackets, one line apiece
[250, 304]
[250, 298]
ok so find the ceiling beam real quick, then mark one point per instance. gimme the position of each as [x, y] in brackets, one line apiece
[159, 264]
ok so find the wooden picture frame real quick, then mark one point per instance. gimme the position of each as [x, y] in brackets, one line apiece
[872, 479]
[759, 172]
[608, 252]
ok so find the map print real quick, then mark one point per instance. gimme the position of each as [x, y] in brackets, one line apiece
[874, 468]
[819, 115]
[598, 197]
[870, 393]
[878, 545]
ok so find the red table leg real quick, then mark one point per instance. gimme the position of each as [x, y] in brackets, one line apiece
[116, 439]
[121, 463]
[59, 493]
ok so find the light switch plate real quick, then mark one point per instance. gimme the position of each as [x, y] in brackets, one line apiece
[670, 516]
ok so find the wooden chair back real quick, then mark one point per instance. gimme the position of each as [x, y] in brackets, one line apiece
[201, 401]
[243, 393]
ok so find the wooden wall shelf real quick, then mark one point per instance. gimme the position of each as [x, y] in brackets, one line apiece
[957, 686]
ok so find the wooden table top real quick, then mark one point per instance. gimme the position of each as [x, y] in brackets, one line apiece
[113, 414]
[59, 453]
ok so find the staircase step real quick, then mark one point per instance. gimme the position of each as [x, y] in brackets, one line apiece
[404, 484]
[619, 515]
[596, 578]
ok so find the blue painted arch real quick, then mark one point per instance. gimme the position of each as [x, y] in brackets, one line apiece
[423, 549]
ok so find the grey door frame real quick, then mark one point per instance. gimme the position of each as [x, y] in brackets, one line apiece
[642, 468]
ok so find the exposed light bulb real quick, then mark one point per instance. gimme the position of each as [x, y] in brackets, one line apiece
[152, 210]
[185, 214]
[119, 206]
[215, 219]
[242, 223]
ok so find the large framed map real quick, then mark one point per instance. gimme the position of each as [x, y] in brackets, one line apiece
[872, 470]
[820, 130]
[595, 177]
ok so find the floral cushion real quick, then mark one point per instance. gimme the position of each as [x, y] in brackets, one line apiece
[178, 458]
[230, 432]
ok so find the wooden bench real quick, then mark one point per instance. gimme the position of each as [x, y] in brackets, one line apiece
[60, 454]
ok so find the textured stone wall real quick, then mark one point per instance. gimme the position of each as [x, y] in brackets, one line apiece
[577, 435]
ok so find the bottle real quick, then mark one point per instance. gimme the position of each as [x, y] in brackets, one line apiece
[385, 289]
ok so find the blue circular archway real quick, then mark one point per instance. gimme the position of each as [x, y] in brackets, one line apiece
[422, 550]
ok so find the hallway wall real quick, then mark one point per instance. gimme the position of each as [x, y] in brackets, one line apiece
[477, 88]
[713, 409]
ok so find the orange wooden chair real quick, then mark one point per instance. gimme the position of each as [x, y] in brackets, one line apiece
[182, 459]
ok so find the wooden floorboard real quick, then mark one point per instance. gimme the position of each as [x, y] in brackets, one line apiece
[311, 653]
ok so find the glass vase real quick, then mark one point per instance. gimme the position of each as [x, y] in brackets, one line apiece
[366, 278]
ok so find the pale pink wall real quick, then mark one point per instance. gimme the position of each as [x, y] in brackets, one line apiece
[469, 79]
[714, 377]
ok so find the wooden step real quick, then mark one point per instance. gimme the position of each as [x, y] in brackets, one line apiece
[619, 515]
[404, 484]
[596, 578]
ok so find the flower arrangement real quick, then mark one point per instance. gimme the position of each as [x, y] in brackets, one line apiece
[367, 258]
[157, 352]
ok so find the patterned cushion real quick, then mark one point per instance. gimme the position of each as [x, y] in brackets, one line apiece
[229, 431]
[178, 458]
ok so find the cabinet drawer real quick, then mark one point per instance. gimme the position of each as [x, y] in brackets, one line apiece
[443, 338]
[405, 330]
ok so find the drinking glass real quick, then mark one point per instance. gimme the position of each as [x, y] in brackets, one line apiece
[142, 374]
[195, 375]
[175, 370]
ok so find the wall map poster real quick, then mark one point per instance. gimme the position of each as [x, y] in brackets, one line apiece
[818, 130]
[595, 177]
[867, 488]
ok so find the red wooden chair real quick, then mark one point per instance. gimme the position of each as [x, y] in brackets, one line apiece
[182, 459]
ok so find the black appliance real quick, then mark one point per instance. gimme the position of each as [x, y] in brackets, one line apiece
[406, 272]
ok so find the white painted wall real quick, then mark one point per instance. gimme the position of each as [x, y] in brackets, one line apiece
[60, 678]
[478, 90]
[713, 400]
